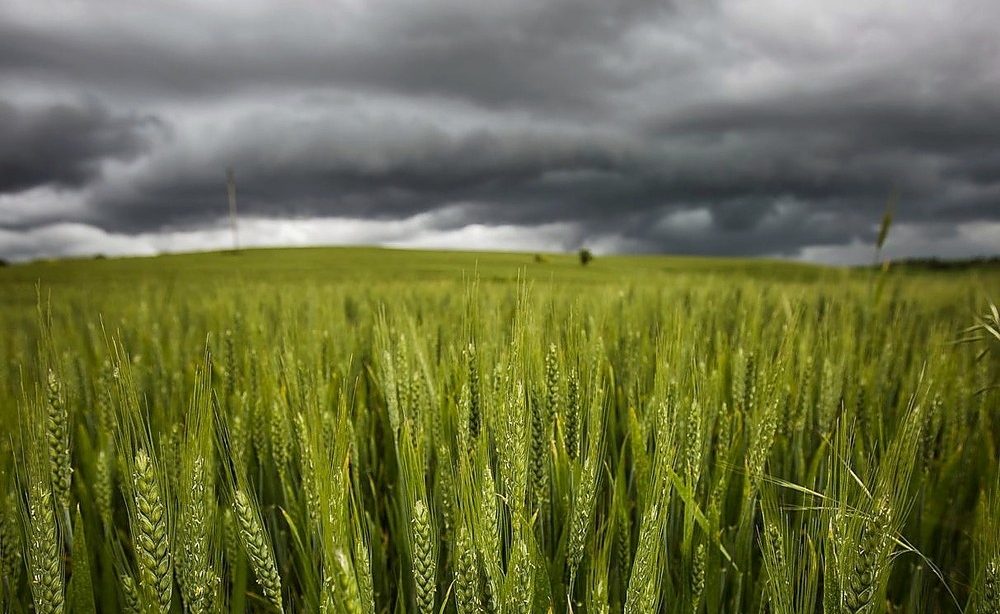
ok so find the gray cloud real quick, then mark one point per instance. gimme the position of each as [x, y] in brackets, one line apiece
[725, 127]
[62, 144]
[557, 54]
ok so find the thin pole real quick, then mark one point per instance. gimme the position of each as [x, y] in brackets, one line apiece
[231, 189]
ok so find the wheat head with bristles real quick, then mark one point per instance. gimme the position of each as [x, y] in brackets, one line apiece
[45, 568]
[151, 533]
[257, 546]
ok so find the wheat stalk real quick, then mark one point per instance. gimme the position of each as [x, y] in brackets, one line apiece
[151, 533]
[520, 576]
[424, 558]
[583, 509]
[991, 588]
[132, 602]
[10, 547]
[467, 575]
[57, 435]
[195, 573]
[347, 583]
[104, 488]
[572, 429]
[45, 572]
[258, 548]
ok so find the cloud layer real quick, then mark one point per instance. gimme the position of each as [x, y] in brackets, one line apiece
[737, 127]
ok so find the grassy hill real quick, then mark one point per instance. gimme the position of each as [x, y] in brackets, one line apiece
[333, 264]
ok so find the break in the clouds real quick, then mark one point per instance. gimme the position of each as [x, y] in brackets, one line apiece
[736, 127]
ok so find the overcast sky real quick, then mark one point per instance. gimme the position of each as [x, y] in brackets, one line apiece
[729, 127]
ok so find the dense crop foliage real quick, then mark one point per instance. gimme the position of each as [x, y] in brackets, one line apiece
[590, 441]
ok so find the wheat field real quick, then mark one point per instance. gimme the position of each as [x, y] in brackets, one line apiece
[357, 431]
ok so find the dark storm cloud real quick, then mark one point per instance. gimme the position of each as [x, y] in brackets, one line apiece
[753, 127]
[63, 145]
[555, 54]
[601, 182]
[378, 169]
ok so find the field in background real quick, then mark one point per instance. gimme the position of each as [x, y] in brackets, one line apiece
[367, 430]
[335, 265]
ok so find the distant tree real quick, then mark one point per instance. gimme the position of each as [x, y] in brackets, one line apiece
[585, 256]
[3, 262]
[540, 258]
